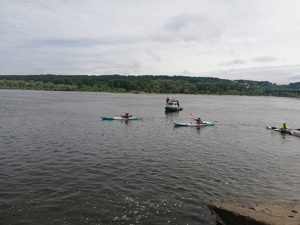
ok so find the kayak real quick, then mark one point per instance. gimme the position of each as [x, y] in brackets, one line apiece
[294, 132]
[203, 124]
[120, 118]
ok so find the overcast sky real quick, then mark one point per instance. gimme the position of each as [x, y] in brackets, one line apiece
[230, 39]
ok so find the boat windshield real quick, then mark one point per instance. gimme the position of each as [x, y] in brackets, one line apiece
[172, 103]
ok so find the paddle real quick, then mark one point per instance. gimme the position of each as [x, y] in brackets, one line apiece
[287, 131]
[274, 128]
[294, 129]
[290, 131]
[192, 115]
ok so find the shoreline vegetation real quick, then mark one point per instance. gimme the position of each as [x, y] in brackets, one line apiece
[160, 84]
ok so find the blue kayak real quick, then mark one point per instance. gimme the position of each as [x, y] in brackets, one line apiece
[120, 118]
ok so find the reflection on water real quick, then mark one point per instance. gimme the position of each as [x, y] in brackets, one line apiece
[60, 163]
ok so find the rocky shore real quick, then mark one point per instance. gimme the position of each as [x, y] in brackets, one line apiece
[262, 214]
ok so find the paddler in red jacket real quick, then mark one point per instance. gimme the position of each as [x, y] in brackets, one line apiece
[126, 115]
[198, 121]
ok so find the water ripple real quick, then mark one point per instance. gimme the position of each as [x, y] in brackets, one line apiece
[60, 164]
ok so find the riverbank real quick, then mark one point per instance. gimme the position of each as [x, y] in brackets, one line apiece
[161, 84]
[285, 213]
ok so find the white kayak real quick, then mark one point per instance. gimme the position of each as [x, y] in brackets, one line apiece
[202, 124]
[120, 118]
[294, 132]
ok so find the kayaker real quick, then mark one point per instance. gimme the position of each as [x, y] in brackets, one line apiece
[198, 121]
[126, 115]
[284, 127]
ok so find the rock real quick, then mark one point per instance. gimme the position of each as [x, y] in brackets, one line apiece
[262, 214]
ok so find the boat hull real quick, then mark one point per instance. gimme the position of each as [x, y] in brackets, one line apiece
[120, 118]
[203, 124]
[173, 109]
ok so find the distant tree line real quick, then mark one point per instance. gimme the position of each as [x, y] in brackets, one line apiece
[147, 84]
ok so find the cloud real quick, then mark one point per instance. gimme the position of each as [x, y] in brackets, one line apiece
[79, 42]
[154, 55]
[264, 59]
[149, 37]
[179, 23]
[232, 62]
[193, 27]
[275, 74]
[294, 77]
[186, 72]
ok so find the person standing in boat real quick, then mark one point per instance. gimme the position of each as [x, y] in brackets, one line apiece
[167, 100]
[178, 103]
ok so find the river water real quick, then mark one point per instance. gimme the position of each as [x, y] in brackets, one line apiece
[61, 164]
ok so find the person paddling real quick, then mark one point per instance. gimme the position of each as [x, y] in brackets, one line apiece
[284, 127]
[198, 121]
[126, 115]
